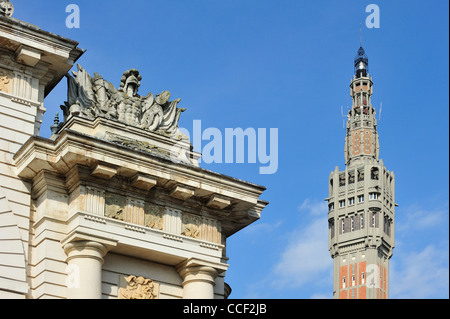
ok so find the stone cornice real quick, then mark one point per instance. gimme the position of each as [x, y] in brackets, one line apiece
[31, 46]
[28, 34]
[74, 148]
[236, 203]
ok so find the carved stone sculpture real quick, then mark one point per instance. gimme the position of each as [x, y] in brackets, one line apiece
[191, 226]
[138, 288]
[92, 97]
[6, 8]
[114, 206]
[154, 216]
[5, 81]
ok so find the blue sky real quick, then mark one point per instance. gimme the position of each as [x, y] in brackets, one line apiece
[288, 65]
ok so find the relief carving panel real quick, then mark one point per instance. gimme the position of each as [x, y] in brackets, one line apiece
[6, 81]
[133, 287]
[114, 206]
[191, 225]
[154, 216]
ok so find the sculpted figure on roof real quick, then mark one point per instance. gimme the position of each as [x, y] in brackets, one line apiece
[92, 97]
[6, 8]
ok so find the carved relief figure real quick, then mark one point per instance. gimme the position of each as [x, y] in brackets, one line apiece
[114, 206]
[154, 216]
[5, 81]
[138, 288]
[191, 226]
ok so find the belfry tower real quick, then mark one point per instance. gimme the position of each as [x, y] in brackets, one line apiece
[361, 201]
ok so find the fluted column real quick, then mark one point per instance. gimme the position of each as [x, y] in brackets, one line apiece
[85, 260]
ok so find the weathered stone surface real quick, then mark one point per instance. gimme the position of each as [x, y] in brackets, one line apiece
[218, 202]
[191, 225]
[115, 196]
[32, 62]
[133, 287]
[6, 8]
[6, 81]
[92, 97]
[104, 171]
[115, 206]
[154, 216]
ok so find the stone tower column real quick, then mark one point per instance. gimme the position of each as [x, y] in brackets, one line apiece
[199, 278]
[85, 260]
[198, 282]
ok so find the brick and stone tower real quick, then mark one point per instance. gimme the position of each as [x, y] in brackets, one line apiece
[361, 201]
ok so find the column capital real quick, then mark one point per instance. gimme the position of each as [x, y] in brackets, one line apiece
[200, 266]
[85, 249]
[78, 238]
[198, 273]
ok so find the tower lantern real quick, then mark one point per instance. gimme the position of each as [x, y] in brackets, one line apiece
[361, 63]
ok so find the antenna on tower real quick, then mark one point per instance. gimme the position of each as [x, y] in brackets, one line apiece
[379, 113]
[360, 34]
[344, 116]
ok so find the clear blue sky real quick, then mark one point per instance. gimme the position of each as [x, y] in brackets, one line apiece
[288, 65]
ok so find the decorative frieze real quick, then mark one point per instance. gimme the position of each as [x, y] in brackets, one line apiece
[172, 221]
[154, 216]
[6, 81]
[22, 86]
[133, 287]
[134, 211]
[211, 230]
[173, 237]
[95, 219]
[95, 201]
[209, 246]
[135, 228]
[203, 228]
[115, 206]
[191, 225]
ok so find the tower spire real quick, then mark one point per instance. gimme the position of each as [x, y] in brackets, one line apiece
[362, 137]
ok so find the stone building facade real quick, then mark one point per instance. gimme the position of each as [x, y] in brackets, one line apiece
[114, 204]
[361, 202]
